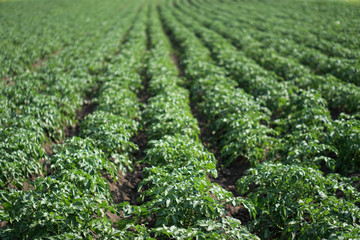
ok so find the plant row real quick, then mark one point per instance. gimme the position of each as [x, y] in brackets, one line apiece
[297, 115]
[292, 200]
[33, 32]
[178, 200]
[73, 200]
[39, 104]
[339, 95]
[335, 32]
[345, 69]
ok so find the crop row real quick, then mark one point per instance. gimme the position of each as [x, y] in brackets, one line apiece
[291, 199]
[72, 199]
[40, 103]
[298, 115]
[178, 199]
[245, 35]
[339, 95]
[73, 101]
[43, 30]
[336, 31]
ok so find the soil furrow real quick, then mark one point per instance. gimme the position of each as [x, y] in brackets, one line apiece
[228, 176]
[126, 187]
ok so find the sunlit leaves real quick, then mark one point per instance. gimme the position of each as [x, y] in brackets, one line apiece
[298, 199]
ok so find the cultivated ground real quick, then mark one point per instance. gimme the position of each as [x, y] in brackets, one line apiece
[179, 119]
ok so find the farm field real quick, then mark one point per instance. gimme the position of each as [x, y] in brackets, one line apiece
[180, 119]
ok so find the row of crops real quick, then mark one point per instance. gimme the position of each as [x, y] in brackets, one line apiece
[183, 91]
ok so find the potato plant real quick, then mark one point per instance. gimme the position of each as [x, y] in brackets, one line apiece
[179, 119]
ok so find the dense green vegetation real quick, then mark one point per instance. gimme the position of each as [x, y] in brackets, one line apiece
[179, 119]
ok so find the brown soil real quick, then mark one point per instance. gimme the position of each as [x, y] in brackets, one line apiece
[125, 188]
[141, 141]
[238, 212]
[48, 148]
[71, 131]
[143, 95]
[26, 184]
[3, 224]
[94, 235]
[335, 113]
[149, 221]
[46, 166]
[7, 81]
[87, 108]
[115, 218]
[176, 61]
[38, 63]
[228, 176]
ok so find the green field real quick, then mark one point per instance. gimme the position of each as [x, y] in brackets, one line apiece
[179, 119]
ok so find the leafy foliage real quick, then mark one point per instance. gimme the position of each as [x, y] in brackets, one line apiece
[284, 99]
[299, 202]
[56, 208]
